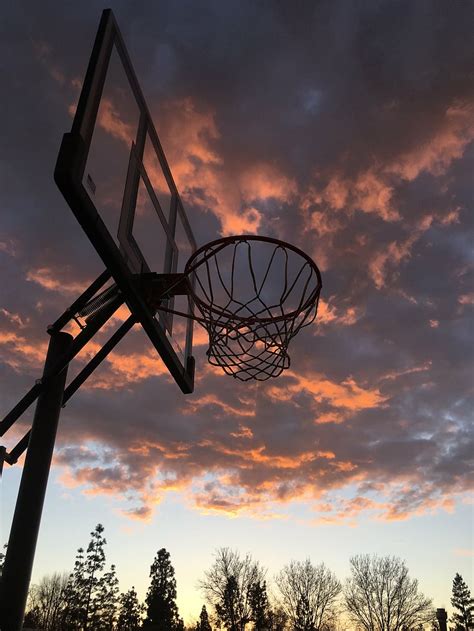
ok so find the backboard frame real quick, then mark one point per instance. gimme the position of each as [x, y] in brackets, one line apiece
[69, 176]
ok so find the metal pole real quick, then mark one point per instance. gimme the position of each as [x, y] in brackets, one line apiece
[19, 558]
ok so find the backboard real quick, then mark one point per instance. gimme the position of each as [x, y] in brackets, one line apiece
[114, 175]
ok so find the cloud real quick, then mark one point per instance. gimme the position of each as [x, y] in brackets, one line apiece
[315, 127]
[48, 279]
[447, 144]
[347, 394]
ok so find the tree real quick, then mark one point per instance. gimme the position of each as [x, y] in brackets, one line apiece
[94, 563]
[230, 609]
[259, 608]
[130, 611]
[309, 594]
[380, 596]
[84, 583]
[461, 600]
[74, 595]
[105, 602]
[278, 619]
[46, 601]
[227, 585]
[162, 611]
[203, 624]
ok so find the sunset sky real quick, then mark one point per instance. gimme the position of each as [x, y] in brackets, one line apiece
[345, 128]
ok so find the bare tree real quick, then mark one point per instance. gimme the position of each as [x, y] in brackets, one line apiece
[380, 596]
[47, 601]
[227, 587]
[308, 594]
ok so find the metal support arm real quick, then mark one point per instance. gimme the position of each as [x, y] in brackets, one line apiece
[12, 457]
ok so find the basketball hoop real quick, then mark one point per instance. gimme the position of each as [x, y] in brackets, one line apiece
[254, 294]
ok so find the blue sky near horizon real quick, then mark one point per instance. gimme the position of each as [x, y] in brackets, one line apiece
[346, 129]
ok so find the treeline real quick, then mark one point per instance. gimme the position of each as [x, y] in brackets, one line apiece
[379, 595]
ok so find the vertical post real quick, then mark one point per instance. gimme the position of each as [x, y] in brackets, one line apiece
[20, 554]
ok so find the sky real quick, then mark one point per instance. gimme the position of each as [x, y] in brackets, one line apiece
[344, 128]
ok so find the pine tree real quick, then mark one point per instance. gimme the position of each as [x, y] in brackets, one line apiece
[229, 609]
[203, 624]
[162, 611]
[130, 612]
[94, 563]
[105, 602]
[304, 615]
[461, 600]
[84, 582]
[259, 606]
[75, 594]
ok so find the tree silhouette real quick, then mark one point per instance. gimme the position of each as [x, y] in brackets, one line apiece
[304, 618]
[94, 563]
[259, 607]
[230, 609]
[380, 596]
[105, 602]
[278, 619]
[461, 600]
[46, 602]
[74, 595]
[309, 593]
[83, 583]
[130, 612]
[203, 624]
[162, 611]
[227, 586]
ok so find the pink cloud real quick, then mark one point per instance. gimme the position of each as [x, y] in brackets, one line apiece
[447, 144]
[48, 279]
[329, 313]
[346, 394]
[264, 181]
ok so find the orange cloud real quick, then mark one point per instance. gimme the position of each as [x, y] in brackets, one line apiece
[328, 313]
[109, 118]
[264, 181]
[14, 318]
[407, 371]
[396, 252]
[347, 394]
[244, 432]
[394, 512]
[47, 278]
[129, 368]
[188, 136]
[340, 512]
[19, 353]
[436, 155]
[193, 405]
[367, 192]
